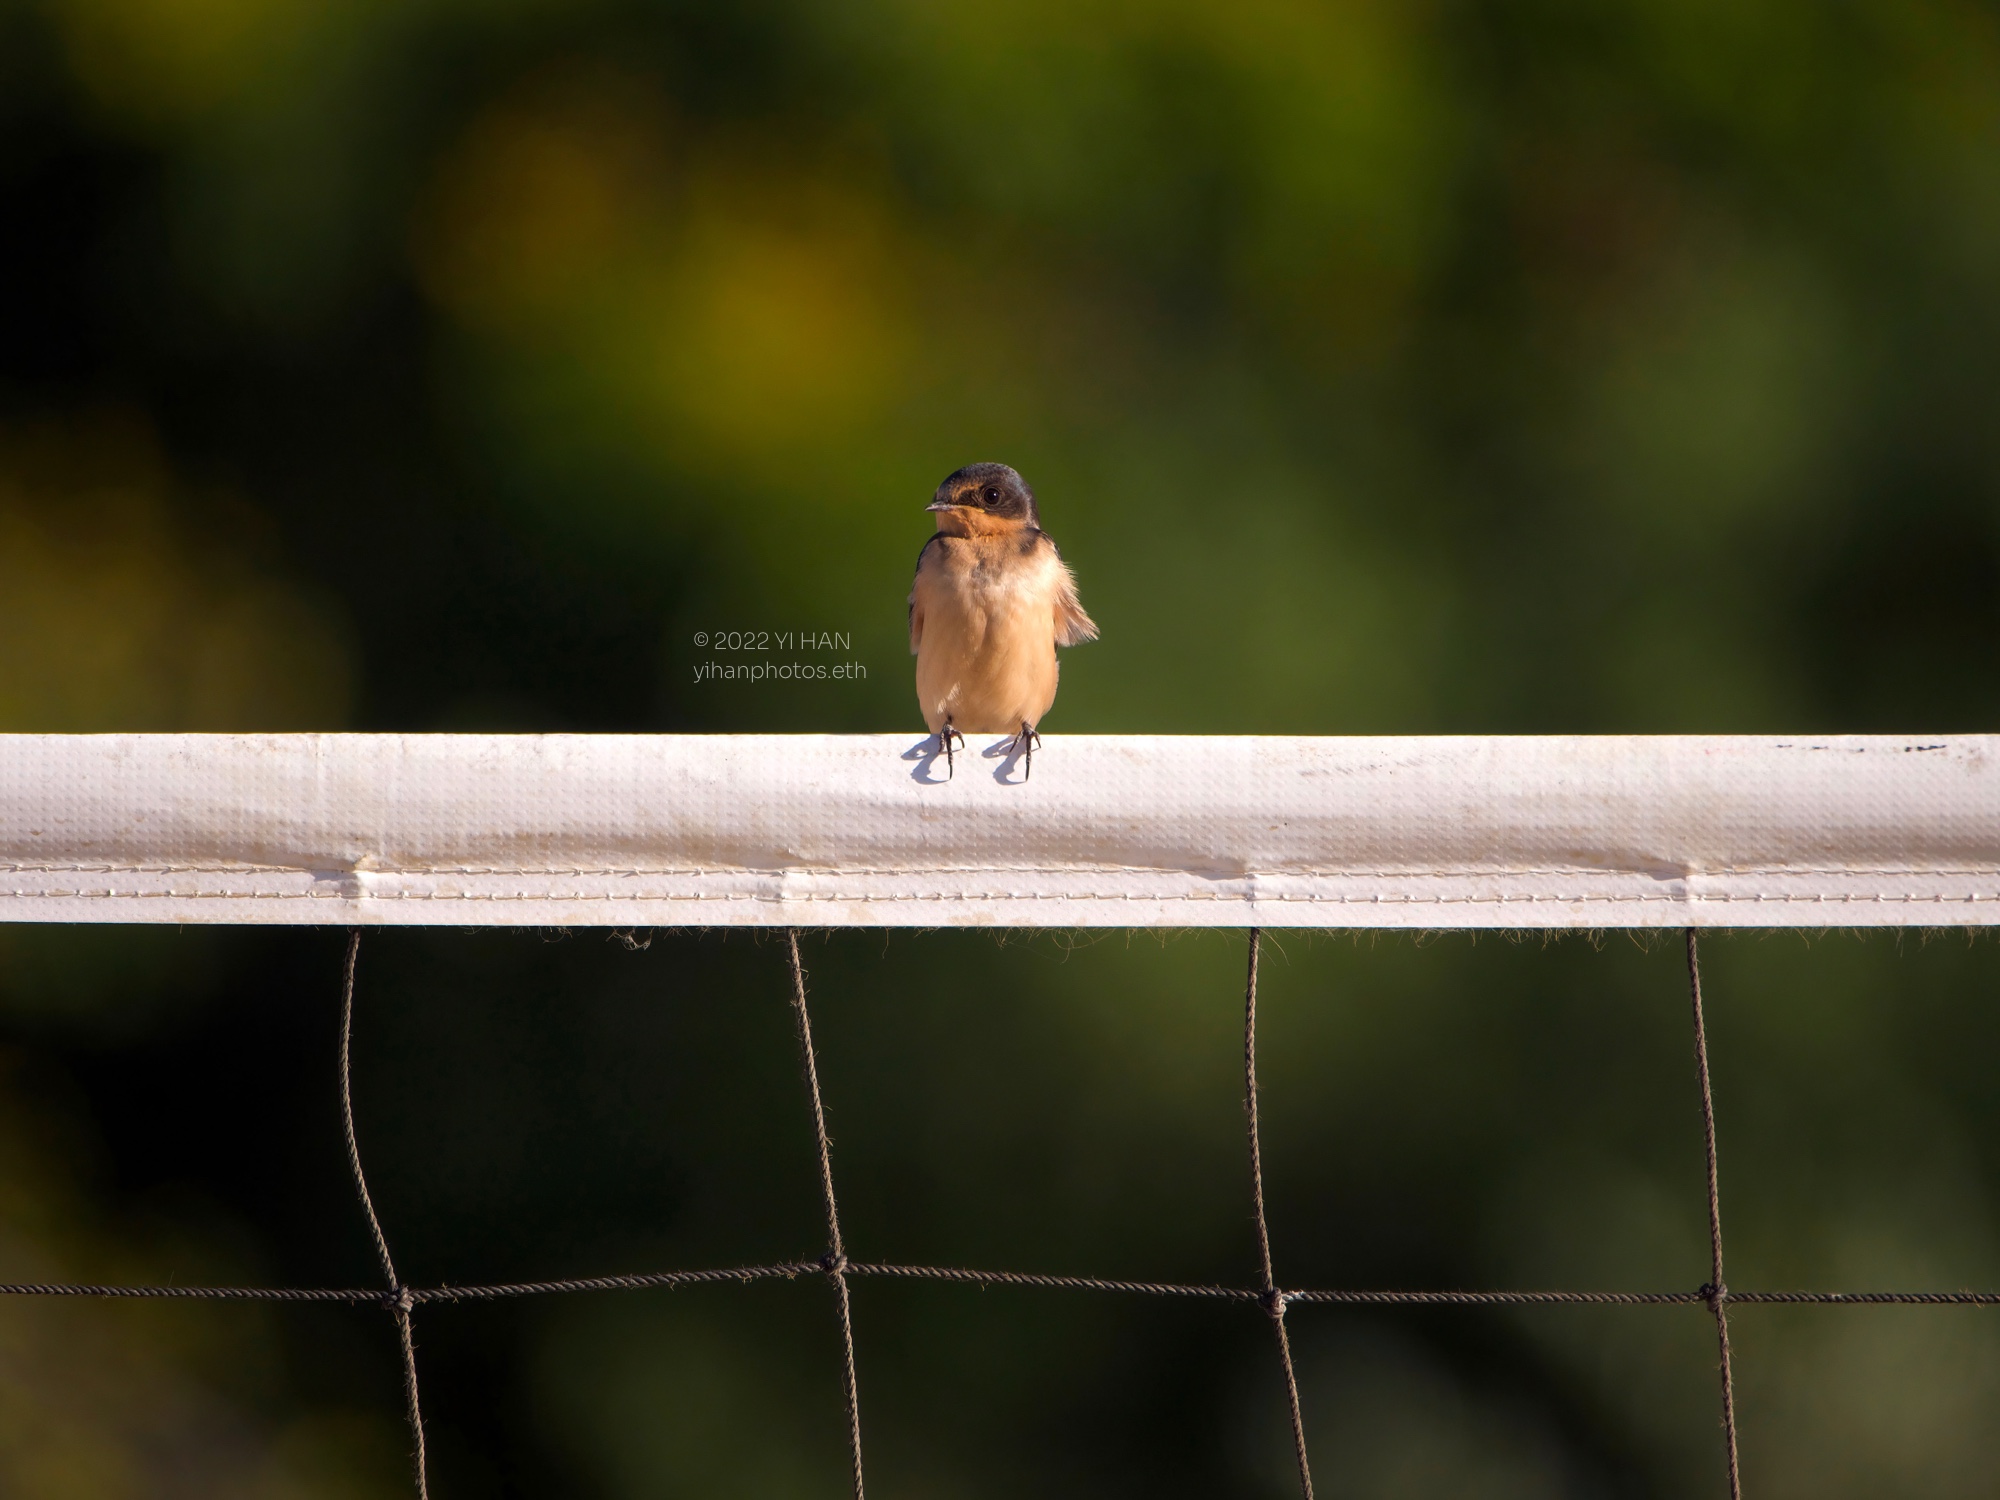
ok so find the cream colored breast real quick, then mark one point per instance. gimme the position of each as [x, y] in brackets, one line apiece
[988, 652]
[985, 584]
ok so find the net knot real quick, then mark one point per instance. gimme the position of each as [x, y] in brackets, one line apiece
[1713, 1294]
[1273, 1302]
[398, 1299]
[834, 1263]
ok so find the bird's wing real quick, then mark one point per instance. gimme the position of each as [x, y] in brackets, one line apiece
[916, 609]
[1073, 626]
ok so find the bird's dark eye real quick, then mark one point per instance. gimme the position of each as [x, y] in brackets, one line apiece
[992, 496]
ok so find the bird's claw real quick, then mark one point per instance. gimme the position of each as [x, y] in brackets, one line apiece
[945, 736]
[1025, 744]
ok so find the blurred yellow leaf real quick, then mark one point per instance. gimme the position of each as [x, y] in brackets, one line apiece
[120, 617]
[733, 308]
[168, 59]
[542, 199]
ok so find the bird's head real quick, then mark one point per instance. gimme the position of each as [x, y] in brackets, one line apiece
[982, 499]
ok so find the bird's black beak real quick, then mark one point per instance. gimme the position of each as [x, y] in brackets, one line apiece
[943, 505]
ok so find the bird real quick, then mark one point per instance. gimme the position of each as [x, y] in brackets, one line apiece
[992, 600]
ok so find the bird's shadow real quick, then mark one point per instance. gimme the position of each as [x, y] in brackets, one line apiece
[927, 752]
[1008, 753]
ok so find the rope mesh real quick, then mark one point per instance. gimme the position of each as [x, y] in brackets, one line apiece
[1267, 1296]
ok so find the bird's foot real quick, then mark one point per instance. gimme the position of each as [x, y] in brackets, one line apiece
[945, 736]
[1025, 744]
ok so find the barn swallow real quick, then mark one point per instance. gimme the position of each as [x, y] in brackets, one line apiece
[991, 602]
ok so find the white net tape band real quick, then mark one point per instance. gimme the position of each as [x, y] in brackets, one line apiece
[1133, 831]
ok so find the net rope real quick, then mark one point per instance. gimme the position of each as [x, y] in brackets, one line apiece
[401, 1300]
[835, 1261]
[1269, 1298]
[398, 1300]
[1717, 1290]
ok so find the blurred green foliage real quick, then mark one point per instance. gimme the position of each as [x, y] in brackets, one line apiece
[1381, 368]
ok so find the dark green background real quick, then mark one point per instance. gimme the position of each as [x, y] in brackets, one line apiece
[1381, 368]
